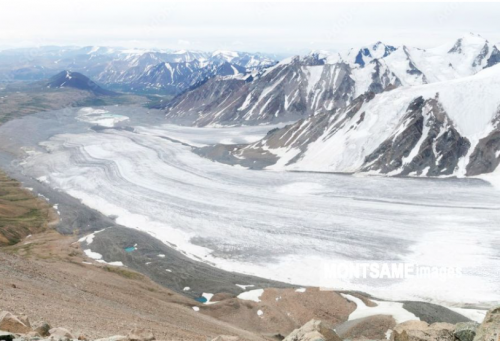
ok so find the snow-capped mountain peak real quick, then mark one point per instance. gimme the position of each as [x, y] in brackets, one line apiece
[225, 54]
[366, 54]
[468, 41]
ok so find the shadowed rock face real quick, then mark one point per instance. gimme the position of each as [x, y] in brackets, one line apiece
[382, 79]
[425, 142]
[494, 57]
[193, 106]
[486, 157]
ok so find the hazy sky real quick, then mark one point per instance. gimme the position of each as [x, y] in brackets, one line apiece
[282, 27]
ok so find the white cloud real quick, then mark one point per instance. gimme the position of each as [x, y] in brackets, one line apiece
[256, 26]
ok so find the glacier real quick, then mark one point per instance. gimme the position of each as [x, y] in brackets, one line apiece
[279, 225]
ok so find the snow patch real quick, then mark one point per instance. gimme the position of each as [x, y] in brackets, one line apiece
[395, 309]
[252, 295]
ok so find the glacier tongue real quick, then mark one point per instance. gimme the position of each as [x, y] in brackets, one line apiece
[282, 225]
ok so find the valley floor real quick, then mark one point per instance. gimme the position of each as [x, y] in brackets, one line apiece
[284, 226]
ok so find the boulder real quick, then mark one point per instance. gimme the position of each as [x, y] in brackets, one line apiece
[11, 323]
[466, 331]
[489, 330]
[24, 319]
[226, 338]
[43, 329]
[140, 334]
[314, 330]
[60, 334]
[422, 331]
[373, 327]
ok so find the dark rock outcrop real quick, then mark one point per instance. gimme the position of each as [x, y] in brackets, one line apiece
[466, 331]
[425, 141]
[75, 80]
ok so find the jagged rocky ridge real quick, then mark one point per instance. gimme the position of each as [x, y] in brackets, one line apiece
[320, 83]
[280, 93]
[440, 129]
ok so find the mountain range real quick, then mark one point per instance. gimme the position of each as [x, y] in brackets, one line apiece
[323, 83]
[156, 71]
[377, 109]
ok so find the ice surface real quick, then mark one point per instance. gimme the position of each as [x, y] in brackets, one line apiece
[100, 117]
[282, 225]
[211, 135]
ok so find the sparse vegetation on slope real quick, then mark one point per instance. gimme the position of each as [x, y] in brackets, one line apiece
[21, 214]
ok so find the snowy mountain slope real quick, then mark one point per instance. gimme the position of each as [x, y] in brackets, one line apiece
[176, 77]
[467, 56]
[299, 87]
[243, 59]
[364, 55]
[287, 91]
[186, 56]
[447, 128]
[464, 57]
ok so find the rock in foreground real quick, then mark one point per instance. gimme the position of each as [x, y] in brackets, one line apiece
[314, 330]
[490, 328]
[14, 324]
[422, 331]
[466, 331]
